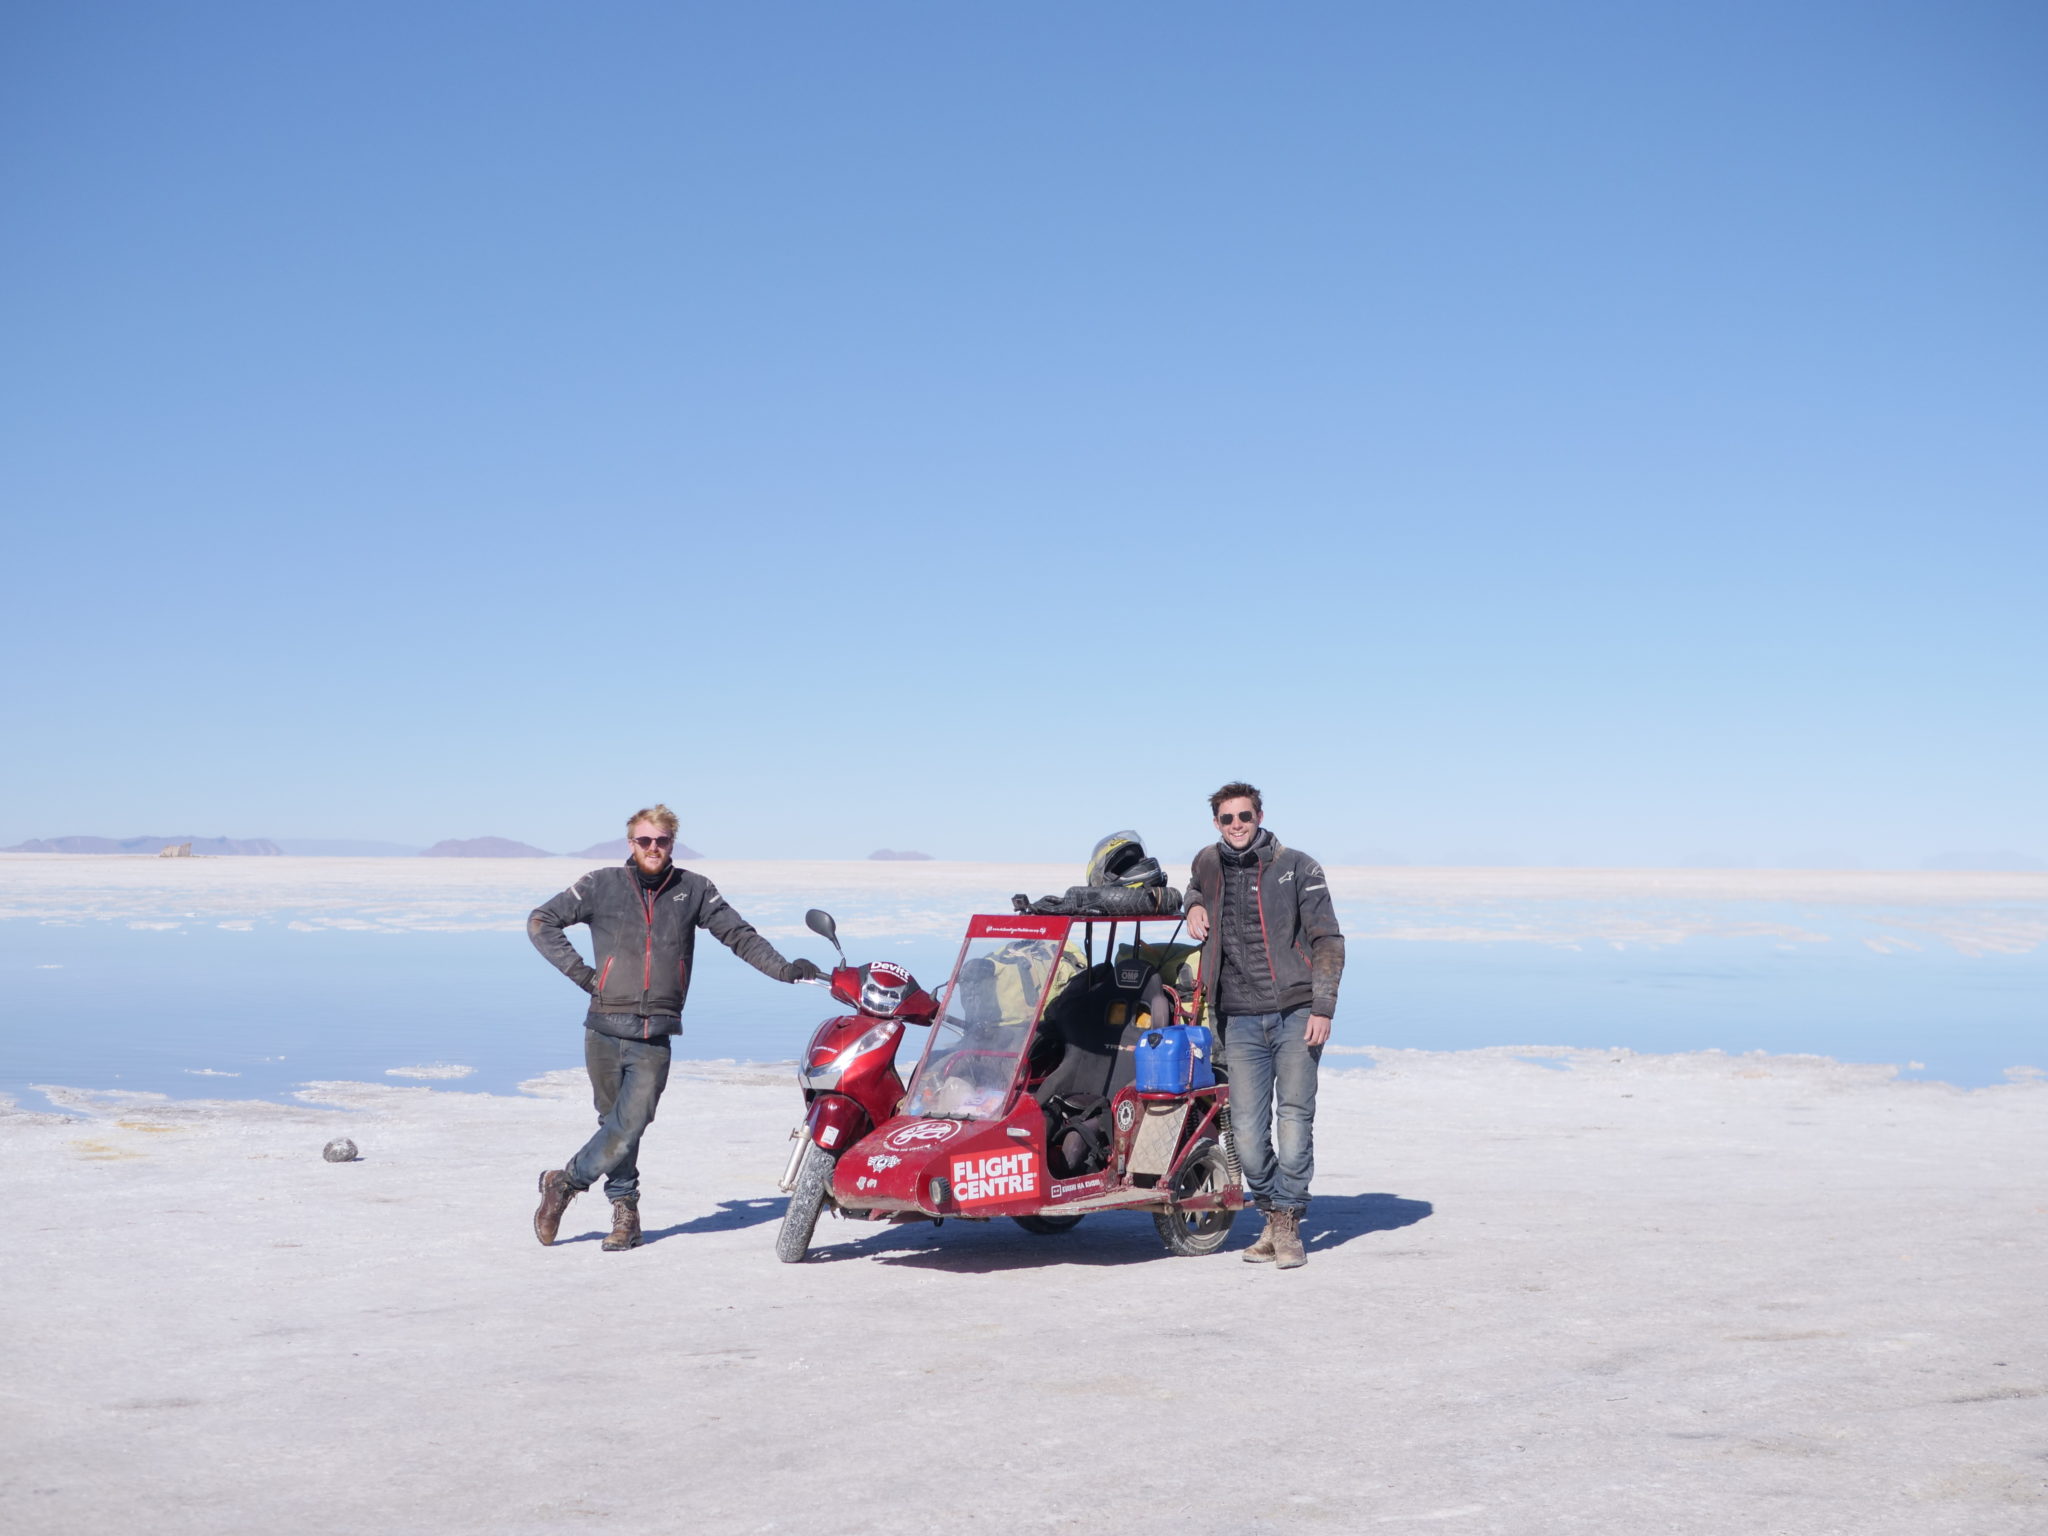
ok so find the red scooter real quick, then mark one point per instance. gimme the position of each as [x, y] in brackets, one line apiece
[848, 1077]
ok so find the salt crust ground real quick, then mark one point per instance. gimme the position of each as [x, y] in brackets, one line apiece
[1698, 1294]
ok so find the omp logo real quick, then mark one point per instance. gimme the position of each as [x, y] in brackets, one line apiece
[883, 1160]
[920, 1133]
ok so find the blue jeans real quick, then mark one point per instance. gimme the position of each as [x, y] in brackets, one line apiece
[1270, 1059]
[626, 1079]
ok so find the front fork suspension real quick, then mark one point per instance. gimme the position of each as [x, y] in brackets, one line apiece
[796, 1157]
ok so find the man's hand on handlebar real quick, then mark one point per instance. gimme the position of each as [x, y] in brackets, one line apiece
[801, 969]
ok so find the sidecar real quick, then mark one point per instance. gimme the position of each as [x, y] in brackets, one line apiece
[1026, 1102]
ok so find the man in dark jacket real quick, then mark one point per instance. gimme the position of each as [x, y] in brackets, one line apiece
[1271, 960]
[643, 917]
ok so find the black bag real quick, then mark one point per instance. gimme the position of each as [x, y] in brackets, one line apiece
[1077, 1135]
[1103, 901]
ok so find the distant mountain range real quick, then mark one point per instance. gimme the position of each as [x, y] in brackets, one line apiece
[891, 853]
[340, 847]
[200, 845]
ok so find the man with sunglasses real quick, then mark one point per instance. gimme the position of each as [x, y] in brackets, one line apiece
[643, 917]
[1272, 956]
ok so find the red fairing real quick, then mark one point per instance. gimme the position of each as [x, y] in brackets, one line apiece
[837, 1122]
[846, 985]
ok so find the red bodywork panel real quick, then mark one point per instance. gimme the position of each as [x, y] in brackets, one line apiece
[836, 1121]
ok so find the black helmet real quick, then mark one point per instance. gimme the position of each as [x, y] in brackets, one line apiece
[1120, 859]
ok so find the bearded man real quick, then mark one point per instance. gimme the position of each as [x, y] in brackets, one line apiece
[643, 918]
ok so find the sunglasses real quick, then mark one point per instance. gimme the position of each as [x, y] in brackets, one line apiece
[655, 842]
[1247, 817]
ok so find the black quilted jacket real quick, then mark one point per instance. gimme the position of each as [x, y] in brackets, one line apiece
[1292, 920]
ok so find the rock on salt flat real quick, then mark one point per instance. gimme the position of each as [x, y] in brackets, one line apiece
[1697, 1294]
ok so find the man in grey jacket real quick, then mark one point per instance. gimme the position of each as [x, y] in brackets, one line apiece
[1272, 957]
[643, 917]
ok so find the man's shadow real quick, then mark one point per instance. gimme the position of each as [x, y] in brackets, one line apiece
[731, 1216]
[1334, 1220]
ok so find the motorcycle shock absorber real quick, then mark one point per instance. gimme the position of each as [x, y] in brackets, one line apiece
[1228, 1137]
[796, 1157]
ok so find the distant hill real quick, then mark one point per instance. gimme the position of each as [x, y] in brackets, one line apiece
[618, 848]
[891, 853]
[484, 848]
[215, 846]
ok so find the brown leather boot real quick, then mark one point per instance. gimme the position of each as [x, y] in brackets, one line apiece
[625, 1231]
[1287, 1250]
[1261, 1251]
[555, 1195]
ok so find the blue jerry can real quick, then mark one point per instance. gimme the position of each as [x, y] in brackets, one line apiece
[1174, 1060]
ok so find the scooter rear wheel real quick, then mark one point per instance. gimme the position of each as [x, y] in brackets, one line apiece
[1190, 1234]
[813, 1182]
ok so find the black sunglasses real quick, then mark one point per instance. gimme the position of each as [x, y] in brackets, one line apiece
[1247, 817]
[655, 842]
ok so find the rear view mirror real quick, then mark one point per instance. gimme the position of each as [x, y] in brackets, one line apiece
[820, 922]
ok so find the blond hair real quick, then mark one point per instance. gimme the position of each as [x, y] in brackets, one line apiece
[657, 813]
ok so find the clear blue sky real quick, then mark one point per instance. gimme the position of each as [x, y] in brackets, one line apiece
[1609, 433]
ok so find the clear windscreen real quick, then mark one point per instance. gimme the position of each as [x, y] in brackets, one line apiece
[972, 1056]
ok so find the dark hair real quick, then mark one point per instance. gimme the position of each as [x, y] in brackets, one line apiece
[1235, 791]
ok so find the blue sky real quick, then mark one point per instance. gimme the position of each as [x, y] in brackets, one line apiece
[1594, 433]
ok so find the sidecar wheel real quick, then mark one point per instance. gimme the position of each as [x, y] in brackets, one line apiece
[813, 1184]
[1046, 1226]
[1190, 1234]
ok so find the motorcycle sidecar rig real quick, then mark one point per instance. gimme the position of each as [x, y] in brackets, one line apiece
[1025, 1102]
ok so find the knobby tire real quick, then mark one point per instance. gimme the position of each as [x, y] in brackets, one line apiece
[800, 1220]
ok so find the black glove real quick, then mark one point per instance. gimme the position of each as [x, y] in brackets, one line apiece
[800, 970]
[585, 976]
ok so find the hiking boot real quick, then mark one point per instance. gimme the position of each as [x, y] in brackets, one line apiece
[625, 1232]
[1261, 1251]
[555, 1195]
[1287, 1249]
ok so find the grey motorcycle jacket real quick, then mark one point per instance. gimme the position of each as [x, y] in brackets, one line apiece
[1292, 919]
[643, 942]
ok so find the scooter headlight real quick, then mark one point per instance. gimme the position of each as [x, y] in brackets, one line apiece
[824, 1068]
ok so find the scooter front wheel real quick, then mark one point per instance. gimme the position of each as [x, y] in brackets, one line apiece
[813, 1184]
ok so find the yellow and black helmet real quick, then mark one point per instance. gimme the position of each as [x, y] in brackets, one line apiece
[1120, 859]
